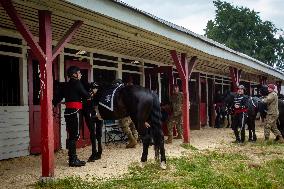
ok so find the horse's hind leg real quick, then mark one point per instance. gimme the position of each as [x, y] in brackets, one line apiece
[146, 143]
[251, 127]
[160, 147]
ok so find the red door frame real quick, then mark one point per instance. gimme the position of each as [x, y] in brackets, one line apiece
[84, 139]
[35, 129]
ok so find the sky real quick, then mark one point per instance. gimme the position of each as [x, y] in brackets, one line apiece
[194, 14]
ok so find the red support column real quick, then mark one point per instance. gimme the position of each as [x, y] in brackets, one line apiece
[235, 76]
[45, 56]
[262, 80]
[278, 84]
[184, 73]
[47, 135]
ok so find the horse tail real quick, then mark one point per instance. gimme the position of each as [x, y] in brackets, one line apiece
[155, 115]
[156, 124]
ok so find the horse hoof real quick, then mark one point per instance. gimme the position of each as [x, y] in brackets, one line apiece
[142, 164]
[163, 165]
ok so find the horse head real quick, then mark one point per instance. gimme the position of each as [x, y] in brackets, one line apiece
[229, 100]
[263, 90]
[58, 92]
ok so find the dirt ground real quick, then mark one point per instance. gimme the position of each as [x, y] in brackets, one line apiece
[23, 171]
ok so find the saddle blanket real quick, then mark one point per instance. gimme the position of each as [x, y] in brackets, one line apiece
[107, 98]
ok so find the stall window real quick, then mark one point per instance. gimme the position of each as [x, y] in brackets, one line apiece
[10, 83]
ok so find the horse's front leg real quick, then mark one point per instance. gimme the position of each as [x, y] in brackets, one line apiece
[162, 149]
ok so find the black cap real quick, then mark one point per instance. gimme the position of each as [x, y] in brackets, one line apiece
[71, 70]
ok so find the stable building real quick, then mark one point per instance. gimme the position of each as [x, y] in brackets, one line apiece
[107, 39]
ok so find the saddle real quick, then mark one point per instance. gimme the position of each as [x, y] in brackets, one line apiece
[108, 95]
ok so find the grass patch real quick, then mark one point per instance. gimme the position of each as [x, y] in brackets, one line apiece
[201, 169]
[188, 146]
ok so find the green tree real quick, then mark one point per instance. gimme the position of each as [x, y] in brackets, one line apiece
[241, 29]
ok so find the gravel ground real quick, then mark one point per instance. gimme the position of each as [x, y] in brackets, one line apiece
[23, 171]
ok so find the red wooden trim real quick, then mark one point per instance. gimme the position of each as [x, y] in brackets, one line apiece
[23, 29]
[177, 63]
[183, 61]
[47, 134]
[235, 77]
[191, 65]
[66, 38]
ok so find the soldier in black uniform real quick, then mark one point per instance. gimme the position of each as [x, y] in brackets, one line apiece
[93, 123]
[74, 92]
[240, 107]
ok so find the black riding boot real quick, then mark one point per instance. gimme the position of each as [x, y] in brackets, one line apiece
[73, 160]
[243, 136]
[250, 139]
[238, 140]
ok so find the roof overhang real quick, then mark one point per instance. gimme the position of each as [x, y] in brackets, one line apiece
[115, 27]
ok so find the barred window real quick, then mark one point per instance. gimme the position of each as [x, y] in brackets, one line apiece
[10, 83]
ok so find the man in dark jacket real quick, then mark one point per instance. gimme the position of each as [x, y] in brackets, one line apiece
[240, 107]
[74, 92]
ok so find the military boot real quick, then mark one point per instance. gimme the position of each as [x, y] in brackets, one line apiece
[132, 142]
[280, 140]
[179, 136]
[75, 162]
[169, 140]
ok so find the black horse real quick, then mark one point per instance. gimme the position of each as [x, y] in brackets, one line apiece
[142, 105]
[253, 107]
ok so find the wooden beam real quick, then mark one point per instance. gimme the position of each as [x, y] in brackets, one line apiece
[66, 38]
[47, 135]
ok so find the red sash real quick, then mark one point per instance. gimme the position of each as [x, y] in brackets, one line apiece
[74, 105]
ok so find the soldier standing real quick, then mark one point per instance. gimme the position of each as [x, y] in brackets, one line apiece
[128, 126]
[272, 114]
[176, 117]
[129, 129]
[74, 91]
[240, 107]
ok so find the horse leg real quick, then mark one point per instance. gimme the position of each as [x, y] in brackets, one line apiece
[99, 124]
[161, 147]
[146, 143]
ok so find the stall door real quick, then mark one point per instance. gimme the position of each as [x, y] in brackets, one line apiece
[203, 102]
[34, 108]
[85, 69]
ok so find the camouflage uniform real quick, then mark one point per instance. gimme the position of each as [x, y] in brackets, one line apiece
[272, 115]
[129, 129]
[176, 118]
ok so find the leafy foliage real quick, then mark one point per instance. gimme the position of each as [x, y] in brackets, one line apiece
[241, 29]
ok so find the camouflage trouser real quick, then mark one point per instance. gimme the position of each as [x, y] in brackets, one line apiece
[128, 127]
[270, 124]
[177, 121]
